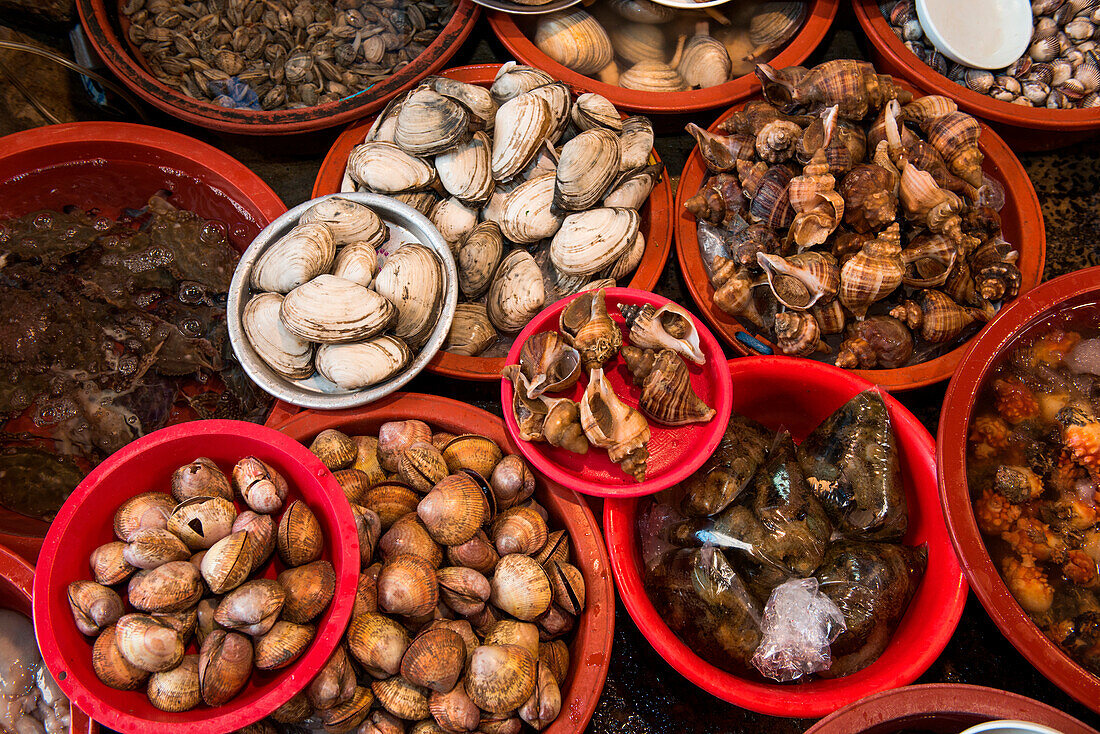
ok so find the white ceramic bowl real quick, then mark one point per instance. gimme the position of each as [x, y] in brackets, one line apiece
[984, 34]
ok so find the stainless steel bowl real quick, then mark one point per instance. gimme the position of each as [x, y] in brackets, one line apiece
[316, 392]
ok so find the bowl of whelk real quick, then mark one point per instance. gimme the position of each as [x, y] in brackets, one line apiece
[1021, 221]
[590, 647]
[1050, 305]
[86, 522]
[1026, 128]
[797, 394]
[107, 29]
[112, 166]
[655, 225]
[513, 33]
[406, 225]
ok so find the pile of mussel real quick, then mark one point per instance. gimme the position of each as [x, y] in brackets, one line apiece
[551, 362]
[324, 304]
[528, 221]
[463, 596]
[188, 557]
[763, 511]
[826, 215]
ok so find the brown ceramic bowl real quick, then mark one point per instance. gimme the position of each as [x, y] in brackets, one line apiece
[1026, 128]
[1052, 300]
[590, 649]
[100, 19]
[1021, 217]
[818, 21]
[656, 227]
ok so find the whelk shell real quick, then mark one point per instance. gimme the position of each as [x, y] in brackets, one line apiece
[667, 394]
[801, 281]
[666, 327]
[549, 363]
[610, 423]
[589, 329]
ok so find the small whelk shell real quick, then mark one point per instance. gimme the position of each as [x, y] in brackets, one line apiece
[667, 394]
[610, 423]
[589, 329]
[667, 327]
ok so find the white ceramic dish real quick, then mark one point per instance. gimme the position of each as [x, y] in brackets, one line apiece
[984, 34]
[1009, 726]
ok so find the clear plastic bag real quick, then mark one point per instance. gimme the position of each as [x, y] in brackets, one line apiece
[798, 626]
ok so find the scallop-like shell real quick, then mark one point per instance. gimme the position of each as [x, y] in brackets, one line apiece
[409, 536]
[478, 257]
[362, 364]
[407, 586]
[514, 79]
[500, 678]
[591, 110]
[109, 565]
[471, 331]
[333, 310]
[200, 478]
[632, 190]
[477, 100]
[705, 62]
[801, 281]
[479, 454]
[666, 327]
[152, 547]
[282, 644]
[528, 214]
[385, 168]
[652, 76]
[519, 530]
[590, 241]
[412, 280]
[772, 25]
[356, 262]
[667, 394]
[517, 293]
[464, 170]
[378, 643]
[429, 123]
[297, 257]
[610, 423]
[575, 40]
[349, 221]
[634, 42]
[454, 509]
[560, 102]
[421, 465]
[522, 123]
[549, 363]
[283, 351]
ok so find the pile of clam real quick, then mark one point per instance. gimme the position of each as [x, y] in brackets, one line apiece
[842, 223]
[324, 304]
[463, 595]
[551, 362]
[188, 557]
[529, 221]
[641, 45]
[1059, 70]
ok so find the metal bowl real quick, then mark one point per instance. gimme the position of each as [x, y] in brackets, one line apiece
[316, 392]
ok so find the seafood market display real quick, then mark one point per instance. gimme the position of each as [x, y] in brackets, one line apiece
[537, 193]
[464, 596]
[109, 330]
[658, 344]
[278, 55]
[1033, 467]
[768, 536]
[644, 46]
[32, 702]
[1060, 69]
[841, 217]
[197, 614]
[328, 301]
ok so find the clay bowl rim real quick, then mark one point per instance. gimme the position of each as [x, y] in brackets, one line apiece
[458, 417]
[646, 276]
[819, 697]
[96, 21]
[1032, 228]
[819, 20]
[970, 547]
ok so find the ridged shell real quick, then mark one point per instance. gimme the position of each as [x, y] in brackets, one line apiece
[587, 326]
[228, 562]
[528, 213]
[349, 221]
[587, 166]
[202, 521]
[333, 310]
[391, 500]
[517, 293]
[147, 643]
[429, 123]
[454, 509]
[667, 394]
[471, 331]
[522, 123]
[635, 143]
[401, 698]
[111, 667]
[500, 678]
[177, 689]
[407, 586]
[873, 273]
[470, 451]
[593, 110]
[297, 257]
[356, 262]
[385, 168]
[173, 587]
[478, 100]
[412, 280]
[575, 40]
[225, 664]
[378, 643]
[362, 364]
[652, 76]
[251, 608]
[299, 540]
[478, 257]
[109, 567]
[514, 79]
[705, 62]
[465, 172]
[773, 24]
[590, 241]
[435, 659]
[280, 349]
[635, 42]
[610, 423]
[385, 125]
[308, 588]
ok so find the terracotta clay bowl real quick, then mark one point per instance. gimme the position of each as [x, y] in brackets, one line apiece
[656, 226]
[590, 649]
[1052, 303]
[102, 25]
[1021, 218]
[1025, 128]
[797, 394]
[819, 19]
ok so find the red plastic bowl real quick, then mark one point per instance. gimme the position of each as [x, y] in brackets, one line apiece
[942, 708]
[1021, 219]
[656, 226]
[102, 28]
[114, 166]
[590, 649]
[674, 451]
[818, 21]
[1026, 128]
[16, 579]
[85, 522]
[797, 394]
[1051, 299]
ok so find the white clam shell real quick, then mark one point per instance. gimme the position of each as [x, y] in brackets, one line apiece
[527, 214]
[359, 365]
[477, 99]
[471, 331]
[299, 256]
[356, 262]
[464, 170]
[632, 190]
[705, 62]
[514, 79]
[412, 280]
[560, 102]
[629, 260]
[454, 220]
[635, 143]
[348, 221]
[575, 40]
[522, 123]
[385, 125]
[333, 310]
[594, 110]
[478, 257]
[429, 123]
[587, 166]
[385, 168]
[635, 42]
[517, 292]
[283, 351]
[590, 241]
[652, 76]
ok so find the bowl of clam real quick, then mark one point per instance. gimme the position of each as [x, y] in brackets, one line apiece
[342, 300]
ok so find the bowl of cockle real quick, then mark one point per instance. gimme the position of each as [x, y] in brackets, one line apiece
[1019, 474]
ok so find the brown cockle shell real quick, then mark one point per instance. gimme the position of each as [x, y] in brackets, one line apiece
[667, 394]
[463, 589]
[454, 710]
[308, 589]
[225, 663]
[434, 660]
[877, 341]
[177, 689]
[346, 716]
[152, 547]
[299, 540]
[261, 535]
[367, 459]
[185, 622]
[228, 562]
[421, 465]
[401, 698]
[409, 535]
[368, 527]
[171, 587]
[392, 500]
[477, 553]
[200, 478]
[202, 521]
[335, 684]
[545, 703]
[295, 710]
[479, 454]
[262, 488]
[378, 643]
[500, 678]
[519, 530]
[407, 586]
[520, 587]
[147, 510]
[395, 436]
[282, 644]
[555, 655]
[354, 482]
[109, 565]
[512, 632]
[334, 448]
[251, 608]
[454, 510]
[512, 482]
[94, 606]
[366, 591]
[147, 643]
[111, 667]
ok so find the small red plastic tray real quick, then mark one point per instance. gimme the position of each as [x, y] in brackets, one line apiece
[674, 452]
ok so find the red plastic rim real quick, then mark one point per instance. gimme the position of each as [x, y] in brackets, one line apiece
[674, 452]
[85, 522]
[99, 26]
[1021, 217]
[1080, 287]
[656, 226]
[818, 21]
[797, 394]
[590, 651]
